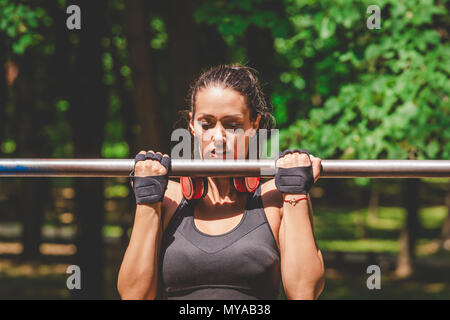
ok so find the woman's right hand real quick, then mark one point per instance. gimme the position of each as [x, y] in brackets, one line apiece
[150, 176]
[145, 166]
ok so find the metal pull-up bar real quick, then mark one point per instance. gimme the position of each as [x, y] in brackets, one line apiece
[223, 168]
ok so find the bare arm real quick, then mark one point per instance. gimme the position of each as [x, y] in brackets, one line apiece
[302, 266]
[138, 275]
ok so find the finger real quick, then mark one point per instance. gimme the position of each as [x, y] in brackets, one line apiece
[317, 166]
[302, 151]
[317, 162]
[303, 160]
[158, 156]
[139, 157]
[279, 162]
[285, 152]
[165, 161]
[150, 155]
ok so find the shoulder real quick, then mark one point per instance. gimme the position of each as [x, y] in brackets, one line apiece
[171, 201]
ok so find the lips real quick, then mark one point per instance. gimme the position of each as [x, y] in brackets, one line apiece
[218, 153]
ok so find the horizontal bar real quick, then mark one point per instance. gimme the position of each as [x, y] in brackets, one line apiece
[223, 168]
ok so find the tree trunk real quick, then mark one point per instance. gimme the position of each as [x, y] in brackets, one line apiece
[3, 88]
[88, 110]
[193, 48]
[373, 202]
[147, 100]
[359, 217]
[211, 48]
[183, 38]
[30, 144]
[445, 232]
[129, 118]
[261, 52]
[409, 234]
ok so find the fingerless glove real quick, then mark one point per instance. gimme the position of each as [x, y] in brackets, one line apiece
[296, 180]
[150, 189]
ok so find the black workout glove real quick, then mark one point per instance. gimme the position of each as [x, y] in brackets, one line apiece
[150, 189]
[296, 180]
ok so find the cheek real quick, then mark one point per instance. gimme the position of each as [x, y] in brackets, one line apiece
[241, 145]
[201, 137]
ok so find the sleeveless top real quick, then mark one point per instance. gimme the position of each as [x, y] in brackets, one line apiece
[243, 263]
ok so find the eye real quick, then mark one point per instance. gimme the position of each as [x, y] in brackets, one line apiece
[205, 124]
[234, 125]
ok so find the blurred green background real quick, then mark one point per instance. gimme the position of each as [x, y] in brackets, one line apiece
[116, 86]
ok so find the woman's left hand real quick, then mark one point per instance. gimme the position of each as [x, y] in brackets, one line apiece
[297, 171]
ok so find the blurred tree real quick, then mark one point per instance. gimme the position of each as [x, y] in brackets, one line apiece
[374, 200]
[261, 56]
[20, 32]
[183, 35]
[87, 115]
[152, 134]
[410, 232]
[3, 87]
[192, 47]
[31, 142]
[445, 232]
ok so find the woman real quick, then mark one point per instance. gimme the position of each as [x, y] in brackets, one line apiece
[226, 244]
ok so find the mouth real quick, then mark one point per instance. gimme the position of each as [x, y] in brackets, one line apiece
[219, 154]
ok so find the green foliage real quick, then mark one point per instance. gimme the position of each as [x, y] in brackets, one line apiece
[116, 191]
[159, 40]
[19, 22]
[370, 93]
[8, 146]
[395, 104]
[232, 18]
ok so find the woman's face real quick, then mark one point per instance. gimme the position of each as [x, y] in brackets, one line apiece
[221, 122]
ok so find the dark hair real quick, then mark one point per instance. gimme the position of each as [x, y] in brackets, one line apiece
[244, 80]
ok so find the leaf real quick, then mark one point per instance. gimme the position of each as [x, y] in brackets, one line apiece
[20, 46]
[432, 149]
[328, 28]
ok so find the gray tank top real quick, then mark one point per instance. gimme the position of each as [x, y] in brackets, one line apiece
[243, 263]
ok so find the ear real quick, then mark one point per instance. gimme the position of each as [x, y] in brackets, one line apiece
[191, 123]
[255, 125]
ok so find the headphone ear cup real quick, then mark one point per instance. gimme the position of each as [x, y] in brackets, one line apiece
[193, 188]
[247, 184]
[252, 183]
[239, 184]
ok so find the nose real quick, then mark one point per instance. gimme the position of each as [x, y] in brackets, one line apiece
[219, 135]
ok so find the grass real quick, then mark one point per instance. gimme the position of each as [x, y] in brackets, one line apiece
[356, 231]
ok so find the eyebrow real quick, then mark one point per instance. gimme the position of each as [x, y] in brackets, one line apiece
[238, 115]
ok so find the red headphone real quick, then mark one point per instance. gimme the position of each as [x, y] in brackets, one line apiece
[197, 188]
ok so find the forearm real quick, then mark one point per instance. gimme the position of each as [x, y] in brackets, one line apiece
[302, 263]
[139, 270]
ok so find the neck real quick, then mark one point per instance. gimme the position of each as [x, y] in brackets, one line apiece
[221, 190]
